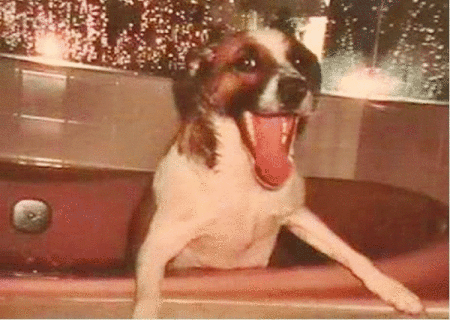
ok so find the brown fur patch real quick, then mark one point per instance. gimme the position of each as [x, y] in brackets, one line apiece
[197, 139]
[229, 89]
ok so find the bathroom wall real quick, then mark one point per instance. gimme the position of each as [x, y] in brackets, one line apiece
[66, 115]
[397, 143]
[329, 146]
[60, 116]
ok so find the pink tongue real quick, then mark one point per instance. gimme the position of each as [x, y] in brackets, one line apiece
[272, 163]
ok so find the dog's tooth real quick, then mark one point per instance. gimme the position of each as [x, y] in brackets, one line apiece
[284, 132]
[285, 125]
[249, 124]
[284, 137]
[291, 147]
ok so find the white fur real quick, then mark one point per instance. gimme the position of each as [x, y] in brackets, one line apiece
[242, 226]
[223, 218]
[266, 99]
[278, 47]
[275, 42]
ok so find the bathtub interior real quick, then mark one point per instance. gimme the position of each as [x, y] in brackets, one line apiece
[100, 217]
[82, 265]
[378, 220]
[91, 214]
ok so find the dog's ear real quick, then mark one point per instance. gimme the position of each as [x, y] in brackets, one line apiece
[187, 87]
[198, 60]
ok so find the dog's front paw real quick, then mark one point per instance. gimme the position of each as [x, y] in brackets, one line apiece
[396, 294]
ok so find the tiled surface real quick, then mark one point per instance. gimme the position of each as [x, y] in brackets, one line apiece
[84, 117]
[124, 120]
[8, 87]
[329, 146]
[405, 146]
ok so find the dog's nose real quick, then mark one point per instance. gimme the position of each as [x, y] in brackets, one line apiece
[291, 92]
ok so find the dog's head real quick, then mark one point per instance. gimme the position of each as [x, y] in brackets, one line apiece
[264, 80]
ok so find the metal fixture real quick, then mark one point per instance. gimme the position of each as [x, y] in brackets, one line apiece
[31, 215]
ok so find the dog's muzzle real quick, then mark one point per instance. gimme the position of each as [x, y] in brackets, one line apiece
[291, 92]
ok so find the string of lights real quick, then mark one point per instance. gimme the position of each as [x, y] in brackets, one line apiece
[72, 30]
[76, 30]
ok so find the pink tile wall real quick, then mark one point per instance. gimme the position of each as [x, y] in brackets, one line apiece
[405, 145]
[329, 146]
[400, 144]
[84, 117]
[125, 120]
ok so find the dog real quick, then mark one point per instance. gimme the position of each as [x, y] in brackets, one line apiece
[228, 181]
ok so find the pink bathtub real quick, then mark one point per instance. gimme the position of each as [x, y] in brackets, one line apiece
[81, 265]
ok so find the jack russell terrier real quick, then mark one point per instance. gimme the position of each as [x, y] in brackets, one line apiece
[228, 182]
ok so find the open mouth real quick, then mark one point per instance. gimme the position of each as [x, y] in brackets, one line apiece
[269, 138]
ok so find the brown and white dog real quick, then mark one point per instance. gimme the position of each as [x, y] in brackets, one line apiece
[228, 182]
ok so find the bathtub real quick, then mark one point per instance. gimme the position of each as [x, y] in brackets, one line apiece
[81, 266]
[77, 159]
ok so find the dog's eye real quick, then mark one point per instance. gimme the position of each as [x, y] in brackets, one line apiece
[245, 64]
[248, 62]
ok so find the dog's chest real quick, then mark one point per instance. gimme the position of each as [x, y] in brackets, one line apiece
[242, 218]
[241, 232]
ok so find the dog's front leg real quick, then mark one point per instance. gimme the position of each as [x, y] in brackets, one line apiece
[164, 241]
[312, 230]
